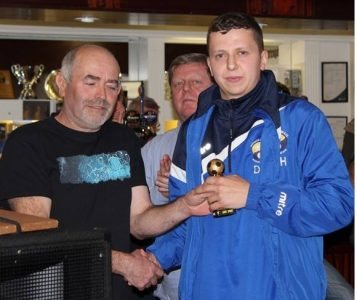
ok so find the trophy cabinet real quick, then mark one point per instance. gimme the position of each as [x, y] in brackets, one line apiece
[16, 112]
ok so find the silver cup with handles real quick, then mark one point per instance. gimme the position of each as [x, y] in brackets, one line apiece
[28, 76]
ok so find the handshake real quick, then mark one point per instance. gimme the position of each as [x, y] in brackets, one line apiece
[139, 268]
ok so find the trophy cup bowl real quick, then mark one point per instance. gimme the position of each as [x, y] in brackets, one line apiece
[51, 87]
[28, 77]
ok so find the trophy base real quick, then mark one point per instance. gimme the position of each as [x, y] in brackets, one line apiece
[27, 97]
[224, 212]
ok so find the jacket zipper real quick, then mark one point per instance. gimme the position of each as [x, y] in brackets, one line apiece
[230, 139]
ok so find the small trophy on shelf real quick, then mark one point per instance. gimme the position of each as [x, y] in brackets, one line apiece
[28, 76]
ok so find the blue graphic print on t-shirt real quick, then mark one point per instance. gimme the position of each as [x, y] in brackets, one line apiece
[94, 169]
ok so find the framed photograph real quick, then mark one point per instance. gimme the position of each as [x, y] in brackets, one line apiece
[132, 88]
[3, 134]
[36, 109]
[6, 88]
[338, 125]
[3, 131]
[334, 82]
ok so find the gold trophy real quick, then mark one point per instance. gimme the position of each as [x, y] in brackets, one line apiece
[28, 76]
[216, 168]
[51, 87]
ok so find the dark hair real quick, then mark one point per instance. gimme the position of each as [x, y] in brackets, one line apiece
[188, 58]
[236, 20]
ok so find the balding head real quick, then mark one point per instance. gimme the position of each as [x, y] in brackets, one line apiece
[84, 50]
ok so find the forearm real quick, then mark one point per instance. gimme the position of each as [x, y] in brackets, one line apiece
[36, 205]
[303, 212]
[120, 262]
[138, 268]
[158, 219]
[168, 248]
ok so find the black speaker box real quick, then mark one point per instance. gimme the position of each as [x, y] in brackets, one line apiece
[55, 265]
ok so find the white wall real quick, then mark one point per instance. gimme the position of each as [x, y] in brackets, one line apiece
[306, 53]
[337, 52]
[146, 56]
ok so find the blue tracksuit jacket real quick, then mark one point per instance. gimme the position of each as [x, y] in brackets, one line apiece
[299, 190]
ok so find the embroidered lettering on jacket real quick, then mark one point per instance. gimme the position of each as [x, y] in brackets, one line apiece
[256, 152]
[281, 204]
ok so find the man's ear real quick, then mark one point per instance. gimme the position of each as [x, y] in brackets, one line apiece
[209, 66]
[263, 60]
[61, 84]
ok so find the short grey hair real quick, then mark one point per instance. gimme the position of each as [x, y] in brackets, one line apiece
[70, 57]
[185, 59]
[67, 63]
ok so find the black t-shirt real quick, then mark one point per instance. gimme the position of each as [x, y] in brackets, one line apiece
[88, 176]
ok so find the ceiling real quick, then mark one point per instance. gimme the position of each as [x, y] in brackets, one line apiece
[146, 21]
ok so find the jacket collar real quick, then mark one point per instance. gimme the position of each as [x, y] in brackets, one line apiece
[265, 96]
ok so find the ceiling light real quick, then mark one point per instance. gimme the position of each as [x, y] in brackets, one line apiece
[86, 19]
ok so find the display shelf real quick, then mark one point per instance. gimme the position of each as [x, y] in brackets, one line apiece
[17, 112]
[29, 109]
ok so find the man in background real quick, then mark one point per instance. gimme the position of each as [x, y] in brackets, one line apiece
[143, 116]
[120, 107]
[188, 76]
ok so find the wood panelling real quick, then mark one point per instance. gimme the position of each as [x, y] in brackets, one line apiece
[64, 4]
[318, 9]
[210, 7]
[332, 9]
[281, 8]
[201, 7]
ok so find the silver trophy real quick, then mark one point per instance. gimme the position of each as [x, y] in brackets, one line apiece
[28, 76]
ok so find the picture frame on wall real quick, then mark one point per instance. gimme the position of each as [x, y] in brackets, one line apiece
[35, 109]
[6, 88]
[3, 134]
[334, 82]
[338, 125]
[132, 88]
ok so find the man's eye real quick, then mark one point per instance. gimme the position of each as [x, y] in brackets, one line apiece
[196, 82]
[219, 56]
[113, 87]
[178, 84]
[242, 53]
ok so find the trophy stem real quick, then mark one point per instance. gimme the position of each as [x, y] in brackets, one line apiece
[23, 75]
[216, 168]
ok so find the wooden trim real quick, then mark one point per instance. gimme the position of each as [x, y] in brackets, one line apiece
[26, 222]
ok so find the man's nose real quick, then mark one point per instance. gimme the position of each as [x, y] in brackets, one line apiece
[188, 85]
[101, 91]
[232, 62]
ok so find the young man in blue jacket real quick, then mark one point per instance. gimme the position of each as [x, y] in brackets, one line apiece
[188, 76]
[284, 181]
